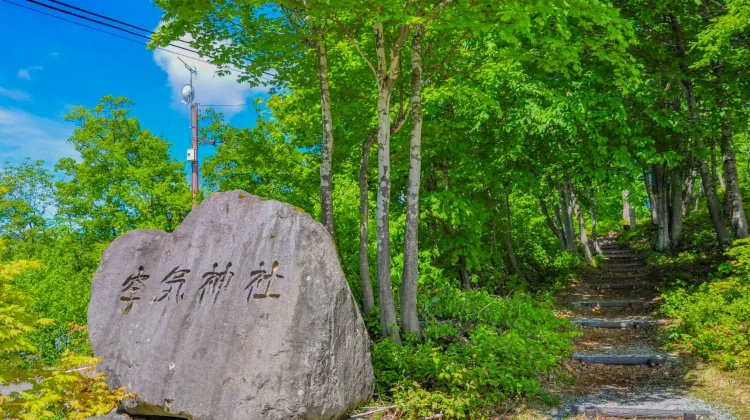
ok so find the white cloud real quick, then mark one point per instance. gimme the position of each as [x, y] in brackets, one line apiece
[24, 74]
[15, 94]
[27, 135]
[209, 87]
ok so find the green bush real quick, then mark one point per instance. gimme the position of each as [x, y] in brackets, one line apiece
[712, 319]
[476, 350]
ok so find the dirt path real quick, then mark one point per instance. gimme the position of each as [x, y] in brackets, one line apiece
[621, 367]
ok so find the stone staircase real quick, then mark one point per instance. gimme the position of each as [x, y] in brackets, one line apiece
[618, 358]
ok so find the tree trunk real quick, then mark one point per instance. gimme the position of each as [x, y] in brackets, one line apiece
[661, 194]
[651, 197]
[558, 218]
[688, 194]
[594, 237]
[326, 160]
[508, 235]
[581, 224]
[698, 197]
[632, 217]
[463, 273]
[388, 321]
[675, 219]
[733, 195]
[709, 189]
[551, 224]
[409, 318]
[568, 230]
[717, 176]
[368, 300]
[626, 209]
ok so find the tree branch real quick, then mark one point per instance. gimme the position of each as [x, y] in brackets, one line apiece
[361, 54]
[436, 69]
[398, 43]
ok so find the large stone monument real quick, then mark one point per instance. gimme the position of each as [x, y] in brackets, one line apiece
[243, 312]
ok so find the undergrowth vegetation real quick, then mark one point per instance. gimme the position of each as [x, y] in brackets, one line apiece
[476, 350]
[706, 294]
[68, 389]
[712, 319]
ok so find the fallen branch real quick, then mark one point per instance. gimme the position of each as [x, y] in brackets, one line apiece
[372, 411]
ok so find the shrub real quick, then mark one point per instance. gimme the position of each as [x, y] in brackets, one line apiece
[65, 390]
[712, 319]
[476, 350]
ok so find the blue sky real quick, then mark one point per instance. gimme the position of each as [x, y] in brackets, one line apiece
[49, 65]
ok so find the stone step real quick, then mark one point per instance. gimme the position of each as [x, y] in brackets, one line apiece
[614, 280]
[620, 263]
[608, 286]
[620, 267]
[621, 255]
[623, 303]
[624, 258]
[624, 269]
[650, 360]
[616, 274]
[592, 412]
[612, 324]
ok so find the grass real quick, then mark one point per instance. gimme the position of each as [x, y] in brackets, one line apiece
[730, 389]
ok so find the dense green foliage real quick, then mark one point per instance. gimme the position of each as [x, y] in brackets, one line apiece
[712, 318]
[66, 390]
[508, 134]
[476, 350]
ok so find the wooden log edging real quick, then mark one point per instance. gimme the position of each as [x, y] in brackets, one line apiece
[630, 413]
[622, 276]
[610, 303]
[627, 270]
[620, 286]
[602, 286]
[621, 264]
[633, 257]
[650, 360]
[596, 323]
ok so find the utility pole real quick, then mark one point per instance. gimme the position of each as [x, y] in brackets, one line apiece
[188, 95]
[194, 145]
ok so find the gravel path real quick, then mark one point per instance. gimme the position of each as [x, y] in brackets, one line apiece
[646, 397]
[616, 386]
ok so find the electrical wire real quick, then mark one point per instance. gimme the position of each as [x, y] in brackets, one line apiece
[113, 34]
[70, 6]
[123, 37]
[215, 105]
[103, 23]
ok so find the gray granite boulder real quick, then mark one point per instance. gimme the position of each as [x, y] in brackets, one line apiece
[243, 312]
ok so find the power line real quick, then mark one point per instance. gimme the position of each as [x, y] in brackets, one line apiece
[110, 33]
[70, 6]
[103, 23]
[224, 67]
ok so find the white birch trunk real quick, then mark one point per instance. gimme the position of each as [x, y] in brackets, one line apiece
[326, 160]
[409, 281]
[388, 320]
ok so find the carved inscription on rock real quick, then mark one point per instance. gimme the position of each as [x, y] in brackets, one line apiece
[174, 285]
